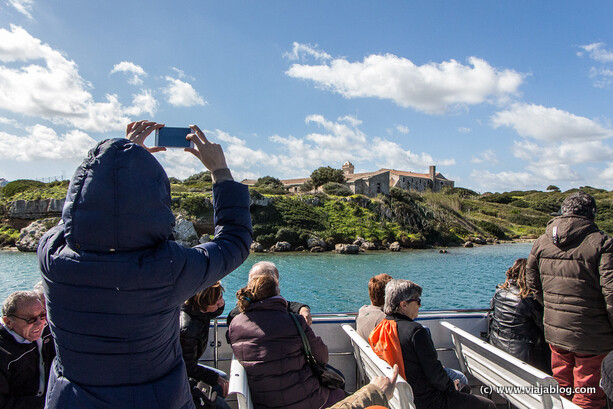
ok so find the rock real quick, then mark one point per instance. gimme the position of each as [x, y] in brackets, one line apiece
[315, 242]
[281, 246]
[257, 247]
[469, 244]
[368, 245]
[443, 251]
[300, 248]
[184, 232]
[261, 201]
[490, 241]
[205, 238]
[35, 209]
[479, 240]
[395, 246]
[346, 249]
[313, 201]
[317, 249]
[358, 241]
[31, 234]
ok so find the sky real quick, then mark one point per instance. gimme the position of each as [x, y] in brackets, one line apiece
[499, 96]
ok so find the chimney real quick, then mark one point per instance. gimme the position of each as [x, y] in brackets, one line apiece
[433, 177]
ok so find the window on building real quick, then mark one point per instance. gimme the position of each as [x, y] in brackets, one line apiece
[378, 187]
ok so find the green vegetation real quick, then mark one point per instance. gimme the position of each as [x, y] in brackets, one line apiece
[325, 174]
[337, 216]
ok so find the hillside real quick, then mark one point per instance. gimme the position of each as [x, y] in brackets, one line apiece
[415, 220]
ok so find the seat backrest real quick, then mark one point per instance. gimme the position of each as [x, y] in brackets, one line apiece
[521, 384]
[372, 366]
[239, 385]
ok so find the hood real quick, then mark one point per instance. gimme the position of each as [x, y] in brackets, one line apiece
[118, 200]
[564, 231]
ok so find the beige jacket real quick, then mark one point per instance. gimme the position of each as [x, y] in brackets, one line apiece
[368, 395]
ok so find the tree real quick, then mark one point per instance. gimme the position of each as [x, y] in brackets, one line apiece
[323, 175]
[269, 182]
[553, 188]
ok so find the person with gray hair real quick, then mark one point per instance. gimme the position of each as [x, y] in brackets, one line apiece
[25, 352]
[268, 268]
[570, 271]
[400, 340]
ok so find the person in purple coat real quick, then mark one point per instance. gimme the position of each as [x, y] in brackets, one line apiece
[115, 279]
[265, 340]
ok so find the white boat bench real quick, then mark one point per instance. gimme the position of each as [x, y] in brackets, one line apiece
[519, 383]
[371, 366]
[239, 385]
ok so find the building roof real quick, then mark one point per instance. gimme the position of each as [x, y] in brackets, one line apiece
[413, 174]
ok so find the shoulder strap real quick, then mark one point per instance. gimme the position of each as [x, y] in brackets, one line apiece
[306, 347]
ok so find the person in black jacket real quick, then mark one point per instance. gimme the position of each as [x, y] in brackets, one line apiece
[516, 324]
[25, 354]
[417, 359]
[196, 316]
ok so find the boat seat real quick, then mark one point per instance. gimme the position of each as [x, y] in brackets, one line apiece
[372, 366]
[239, 385]
[519, 383]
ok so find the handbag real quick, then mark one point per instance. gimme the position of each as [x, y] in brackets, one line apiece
[328, 376]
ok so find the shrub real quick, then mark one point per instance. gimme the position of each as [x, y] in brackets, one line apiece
[336, 189]
[491, 228]
[325, 174]
[289, 235]
[269, 181]
[21, 185]
[196, 206]
[266, 240]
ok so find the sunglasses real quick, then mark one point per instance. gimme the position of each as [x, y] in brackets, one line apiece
[32, 320]
[418, 300]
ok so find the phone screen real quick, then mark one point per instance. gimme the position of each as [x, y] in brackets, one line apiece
[172, 137]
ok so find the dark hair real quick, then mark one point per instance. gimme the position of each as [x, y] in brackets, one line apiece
[257, 289]
[206, 297]
[516, 275]
[376, 289]
[579, 204]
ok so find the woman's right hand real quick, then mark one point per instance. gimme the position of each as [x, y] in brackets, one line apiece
[210, 154]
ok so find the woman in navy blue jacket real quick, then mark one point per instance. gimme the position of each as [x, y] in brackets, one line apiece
[115, 279]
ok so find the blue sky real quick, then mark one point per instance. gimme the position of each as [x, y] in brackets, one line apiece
[498, 95]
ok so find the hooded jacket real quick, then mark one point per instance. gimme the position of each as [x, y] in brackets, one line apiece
[267, 343]
[570, 268]
[115, 281]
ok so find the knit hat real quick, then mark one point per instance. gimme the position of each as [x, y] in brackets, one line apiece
[579, 204]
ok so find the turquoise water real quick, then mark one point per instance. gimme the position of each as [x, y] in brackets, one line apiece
[462, 278]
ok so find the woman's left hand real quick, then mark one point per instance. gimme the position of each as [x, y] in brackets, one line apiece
[138, 131]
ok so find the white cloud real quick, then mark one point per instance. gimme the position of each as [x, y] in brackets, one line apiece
[127, 67]
[403, 129]
[47, 85]
[607, 174]
[41, 142]
[180, 93]
[487, 156]
[603, 77]
[597, 51]
[550, 124]
[23, 6]
[432, 88]
[464, 129]
[301, 51]
[505, 180]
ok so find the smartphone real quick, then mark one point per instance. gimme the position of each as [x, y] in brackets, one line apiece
[170, 137]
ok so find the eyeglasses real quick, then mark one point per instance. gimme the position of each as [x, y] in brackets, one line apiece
[418, 300]
[32, 320]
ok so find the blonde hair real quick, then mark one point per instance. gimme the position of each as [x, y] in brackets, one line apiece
[258, 288]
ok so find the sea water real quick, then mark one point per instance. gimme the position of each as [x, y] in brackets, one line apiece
[328, 282]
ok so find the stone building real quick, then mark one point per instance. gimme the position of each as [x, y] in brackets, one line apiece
[381, 181]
